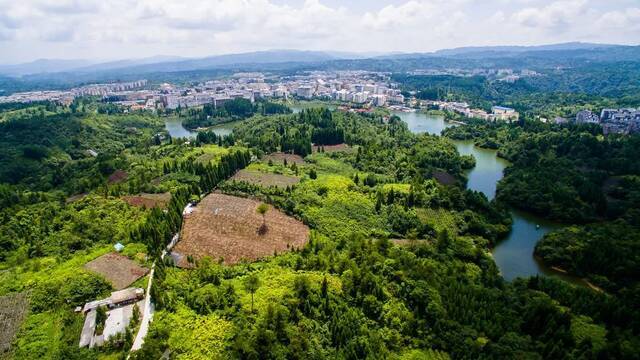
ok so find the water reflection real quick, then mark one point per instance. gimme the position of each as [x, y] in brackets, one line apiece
[513, 255]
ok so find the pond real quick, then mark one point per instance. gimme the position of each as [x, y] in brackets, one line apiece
[513, 255]
[175, 128]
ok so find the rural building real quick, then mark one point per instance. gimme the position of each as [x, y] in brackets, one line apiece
[504, 113]
[119, 314]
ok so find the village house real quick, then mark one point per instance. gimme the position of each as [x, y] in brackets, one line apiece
[119, 312]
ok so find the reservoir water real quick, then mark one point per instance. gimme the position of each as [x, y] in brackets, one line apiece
[175, 128]
[513, 255]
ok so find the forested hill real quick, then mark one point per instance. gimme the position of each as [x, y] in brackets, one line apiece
[574, 175]
[44, 148]
[396, 263]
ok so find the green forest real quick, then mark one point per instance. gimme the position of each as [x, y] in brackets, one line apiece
[398, 263]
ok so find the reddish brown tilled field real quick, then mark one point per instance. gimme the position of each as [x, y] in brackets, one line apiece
[148, 200]
[118, 269]
[117, 176]
[226, 227]
[279, 158]
[332, 148]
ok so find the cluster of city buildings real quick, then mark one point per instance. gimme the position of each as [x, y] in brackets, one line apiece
[613, 121]
[363, 88]
[359, 87]
[498, 113]
[67, 96]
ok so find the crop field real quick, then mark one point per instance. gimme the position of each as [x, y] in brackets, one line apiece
[444, 178]
[332, 148]
[439, 219]
[265, 179]
[148, 200]
[118, 269]
[209, 153]
[226, 227]
[13, 309]
[280, 157]
[118, 176]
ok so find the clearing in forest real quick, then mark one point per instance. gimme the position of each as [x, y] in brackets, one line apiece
[118, 269]
[148, 200]
[279, 157]
[265, 179]
[117, 177]
[444, 178]
[227, 227]
[13, 309]
[332, 148]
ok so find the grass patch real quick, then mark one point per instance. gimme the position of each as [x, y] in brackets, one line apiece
[277, 283]
[439, 219]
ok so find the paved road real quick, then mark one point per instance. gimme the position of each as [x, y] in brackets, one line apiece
[147, 316]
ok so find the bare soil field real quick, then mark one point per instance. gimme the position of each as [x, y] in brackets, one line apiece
[444, 178]
[117, 176]
[223, 226]
[118, 269]
[332, 148]
[264, 179]
[279, 158]
[13, 310]
[148, 200]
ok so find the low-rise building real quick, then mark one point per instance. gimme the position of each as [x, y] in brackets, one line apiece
[620, 121]
[587, 117]
[504, 113]
[119, 312]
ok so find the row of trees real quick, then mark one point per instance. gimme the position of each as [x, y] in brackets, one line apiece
[235, 109]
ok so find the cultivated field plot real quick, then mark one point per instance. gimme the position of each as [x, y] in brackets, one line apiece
[209, 153]
[280, 157]
[265, 179]
[148, 200]
[444, 178]
[118, 269]
[332, 148]
[13, 309]
[226, 227]
[117, 177]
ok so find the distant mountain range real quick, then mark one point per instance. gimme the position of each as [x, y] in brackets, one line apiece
[545, 56]
[522, 49]
[175, 63]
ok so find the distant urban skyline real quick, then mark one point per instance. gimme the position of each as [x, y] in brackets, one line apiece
[125, 29]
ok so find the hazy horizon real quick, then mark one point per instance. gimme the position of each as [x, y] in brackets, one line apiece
[125, 29]
[328, 51]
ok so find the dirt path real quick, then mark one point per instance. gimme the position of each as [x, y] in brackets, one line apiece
[147, 316]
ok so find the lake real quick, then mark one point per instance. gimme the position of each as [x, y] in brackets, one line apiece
[175, 128]
[513, 255]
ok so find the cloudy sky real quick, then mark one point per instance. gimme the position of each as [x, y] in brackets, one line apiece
[116, 29]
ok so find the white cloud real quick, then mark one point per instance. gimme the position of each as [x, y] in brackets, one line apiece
[555, 16]
[133, 28]
[628, 19]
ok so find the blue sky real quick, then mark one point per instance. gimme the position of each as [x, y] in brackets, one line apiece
[116, 29]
